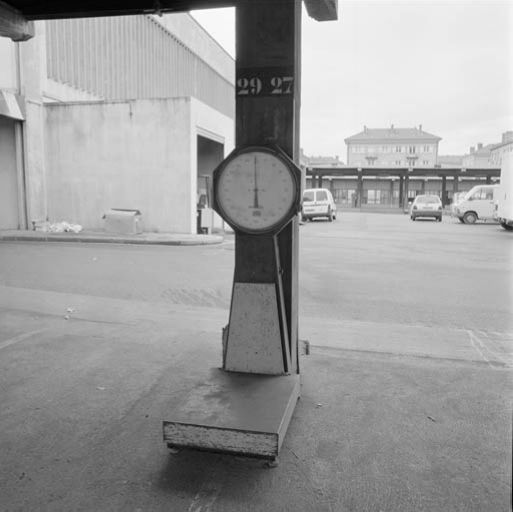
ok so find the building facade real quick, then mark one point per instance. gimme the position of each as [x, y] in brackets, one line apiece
[478, 156]
[119, 112]
[388, 167]
[498, 150]
[392, 147]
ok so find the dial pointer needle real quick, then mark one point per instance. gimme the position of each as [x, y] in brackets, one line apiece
[255, 190]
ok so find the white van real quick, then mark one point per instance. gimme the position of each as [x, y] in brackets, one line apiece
[478, 204]
[318, 202]
[504, 204]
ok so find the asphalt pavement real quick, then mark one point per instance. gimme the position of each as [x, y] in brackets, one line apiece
[402, 409]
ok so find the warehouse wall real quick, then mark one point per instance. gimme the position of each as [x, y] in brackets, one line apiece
[137, 57]
[136, 155]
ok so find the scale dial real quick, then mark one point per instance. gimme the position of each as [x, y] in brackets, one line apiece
[256, 190]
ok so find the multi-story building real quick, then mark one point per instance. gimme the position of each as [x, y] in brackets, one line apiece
[498, 150]
[449, 161]
[478, 157]
[392, 147]
[388, 167]
[306, 161]
[117, 112]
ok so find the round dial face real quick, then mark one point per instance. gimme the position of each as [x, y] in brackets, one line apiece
[256, 191]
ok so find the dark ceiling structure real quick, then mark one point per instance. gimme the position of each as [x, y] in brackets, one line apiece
[16, 15]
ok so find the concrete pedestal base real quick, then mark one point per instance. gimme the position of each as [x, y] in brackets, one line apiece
[235, 413]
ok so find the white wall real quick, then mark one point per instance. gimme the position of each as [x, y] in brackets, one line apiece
[35, 170]
[55, 91]
[139, 155]
[8, 77]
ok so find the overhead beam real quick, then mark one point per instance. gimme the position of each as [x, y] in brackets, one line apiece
[19, 12]
[58, 9]
[322, 10]
[14, 25]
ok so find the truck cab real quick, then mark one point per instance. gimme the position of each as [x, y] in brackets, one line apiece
[478, 204]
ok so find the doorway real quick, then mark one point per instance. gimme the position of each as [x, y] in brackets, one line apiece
[210, 155]
[9, 218]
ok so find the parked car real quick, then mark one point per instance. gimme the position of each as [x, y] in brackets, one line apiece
[478, 204]
[318, 202]
[426, 206]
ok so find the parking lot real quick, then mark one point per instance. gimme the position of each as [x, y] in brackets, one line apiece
[382, 269]
[405, 396]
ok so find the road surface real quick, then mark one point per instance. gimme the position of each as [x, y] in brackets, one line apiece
[405, 398]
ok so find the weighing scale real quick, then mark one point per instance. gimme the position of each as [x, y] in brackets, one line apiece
[245, 406]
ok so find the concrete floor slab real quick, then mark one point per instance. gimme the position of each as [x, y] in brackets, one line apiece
[81, 428]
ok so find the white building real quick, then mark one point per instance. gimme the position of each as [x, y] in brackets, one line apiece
[498, 150]
[478, 157]
[392, 147]
[120, 112]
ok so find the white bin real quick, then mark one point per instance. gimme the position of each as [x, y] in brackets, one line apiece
[122, 221]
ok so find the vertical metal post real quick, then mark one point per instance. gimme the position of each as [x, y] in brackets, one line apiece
[406, 188]
[359, 193]
[268, 51]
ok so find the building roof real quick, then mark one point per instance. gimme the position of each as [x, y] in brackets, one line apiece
[319, 161]
[483, 151]
[391, 134]
[501, 145]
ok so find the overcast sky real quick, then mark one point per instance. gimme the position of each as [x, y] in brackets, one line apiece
[445, 64]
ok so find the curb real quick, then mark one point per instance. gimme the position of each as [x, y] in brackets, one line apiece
[207, 240]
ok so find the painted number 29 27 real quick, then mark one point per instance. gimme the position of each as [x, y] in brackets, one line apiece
[273, 86]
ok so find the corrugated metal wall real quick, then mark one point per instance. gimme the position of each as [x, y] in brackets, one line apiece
[131, 57]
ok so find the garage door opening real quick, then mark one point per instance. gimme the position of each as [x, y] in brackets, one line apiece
[8, 175]
[210, 155]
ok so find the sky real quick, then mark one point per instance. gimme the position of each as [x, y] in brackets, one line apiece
[444, 64]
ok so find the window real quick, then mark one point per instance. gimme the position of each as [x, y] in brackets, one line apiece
[489, 194]
[425, 162]
[427, 149]
[344, 196]
[428, 199]
[322, 195]
[308, 197]
[480, 193]
[373, 196]
[411, 149]
[398, 149]
[398, 162]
